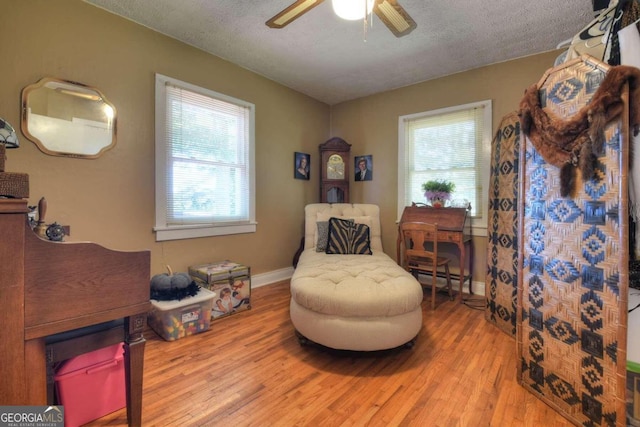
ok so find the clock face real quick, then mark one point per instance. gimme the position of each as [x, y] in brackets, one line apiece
[335, 167]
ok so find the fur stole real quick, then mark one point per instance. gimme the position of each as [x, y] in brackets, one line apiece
[576, 142]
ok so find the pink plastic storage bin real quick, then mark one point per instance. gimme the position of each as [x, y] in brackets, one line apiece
[91, 385]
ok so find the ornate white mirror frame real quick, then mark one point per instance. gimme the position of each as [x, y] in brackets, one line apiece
[65, 118]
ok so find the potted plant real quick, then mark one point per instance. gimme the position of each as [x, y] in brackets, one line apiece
[437, 191]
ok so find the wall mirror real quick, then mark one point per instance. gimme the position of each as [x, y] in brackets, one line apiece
[65, 118]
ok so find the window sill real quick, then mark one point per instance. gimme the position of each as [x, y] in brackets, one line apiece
[194, 232]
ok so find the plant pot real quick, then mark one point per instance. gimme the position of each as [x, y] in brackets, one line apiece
[437, 202]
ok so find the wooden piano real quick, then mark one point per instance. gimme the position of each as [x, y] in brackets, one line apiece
[454, 226]
[61, 290]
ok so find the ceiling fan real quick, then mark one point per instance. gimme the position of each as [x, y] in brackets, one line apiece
[389, 11]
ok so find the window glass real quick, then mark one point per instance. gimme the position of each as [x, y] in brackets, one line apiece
[451, 144]
[204, 162]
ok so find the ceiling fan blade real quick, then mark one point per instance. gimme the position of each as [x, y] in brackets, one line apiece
[297, 9]
[394, 17]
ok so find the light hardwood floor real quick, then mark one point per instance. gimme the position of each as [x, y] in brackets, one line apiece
[249, 369]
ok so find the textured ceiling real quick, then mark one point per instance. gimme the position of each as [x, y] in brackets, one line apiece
[327, 58]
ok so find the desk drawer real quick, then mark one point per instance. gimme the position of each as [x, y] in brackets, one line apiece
[449, 236]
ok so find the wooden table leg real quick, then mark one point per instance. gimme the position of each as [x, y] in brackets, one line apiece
[35, 361]
[134, 364]
[470, 268]
[462, 264]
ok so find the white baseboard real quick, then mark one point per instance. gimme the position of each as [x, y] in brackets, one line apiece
[275, 276]
[263, 279]
[478, 287]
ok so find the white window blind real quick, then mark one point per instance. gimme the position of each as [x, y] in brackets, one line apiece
[449, 144]
[204, 161]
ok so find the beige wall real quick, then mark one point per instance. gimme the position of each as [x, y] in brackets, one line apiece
[111, 200]
[371, 125]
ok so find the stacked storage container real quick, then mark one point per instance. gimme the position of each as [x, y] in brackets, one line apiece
[176, 319]
[230, 281]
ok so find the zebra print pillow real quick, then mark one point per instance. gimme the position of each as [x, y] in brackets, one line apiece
[345, 237]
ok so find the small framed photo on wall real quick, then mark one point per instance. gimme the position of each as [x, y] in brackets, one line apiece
[363, 168]
[301, 165]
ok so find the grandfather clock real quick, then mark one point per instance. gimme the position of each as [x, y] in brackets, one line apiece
[334, 171]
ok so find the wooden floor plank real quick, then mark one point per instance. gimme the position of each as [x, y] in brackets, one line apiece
[249, 369]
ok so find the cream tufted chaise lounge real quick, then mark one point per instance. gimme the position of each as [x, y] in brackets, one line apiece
[353, 302]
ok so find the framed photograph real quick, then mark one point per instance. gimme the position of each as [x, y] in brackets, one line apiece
[301, 165]
[363, 167]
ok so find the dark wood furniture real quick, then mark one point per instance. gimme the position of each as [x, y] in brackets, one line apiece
[334, 171]
[454, 226]
[50, 288]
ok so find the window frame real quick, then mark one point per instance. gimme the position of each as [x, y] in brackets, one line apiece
[188, 231]
[478, 223]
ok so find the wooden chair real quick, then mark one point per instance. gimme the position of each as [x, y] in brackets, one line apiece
[419, 260]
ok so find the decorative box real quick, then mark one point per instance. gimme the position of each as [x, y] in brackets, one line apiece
[173, 320]
[230, 281]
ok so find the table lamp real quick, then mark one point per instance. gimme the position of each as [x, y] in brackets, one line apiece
[14, 185]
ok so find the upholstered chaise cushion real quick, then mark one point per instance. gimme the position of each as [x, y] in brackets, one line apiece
[360, 214]
[353, 302]
[354, 285]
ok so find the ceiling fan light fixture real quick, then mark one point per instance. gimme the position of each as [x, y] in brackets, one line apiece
[352, 10]
[392, 15]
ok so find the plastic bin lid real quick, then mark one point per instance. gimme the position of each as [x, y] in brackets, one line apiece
[203, 295]
[86, 360]
[633, 366]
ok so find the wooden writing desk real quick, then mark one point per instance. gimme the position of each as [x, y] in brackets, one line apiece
[454, 226]
[48, 288]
